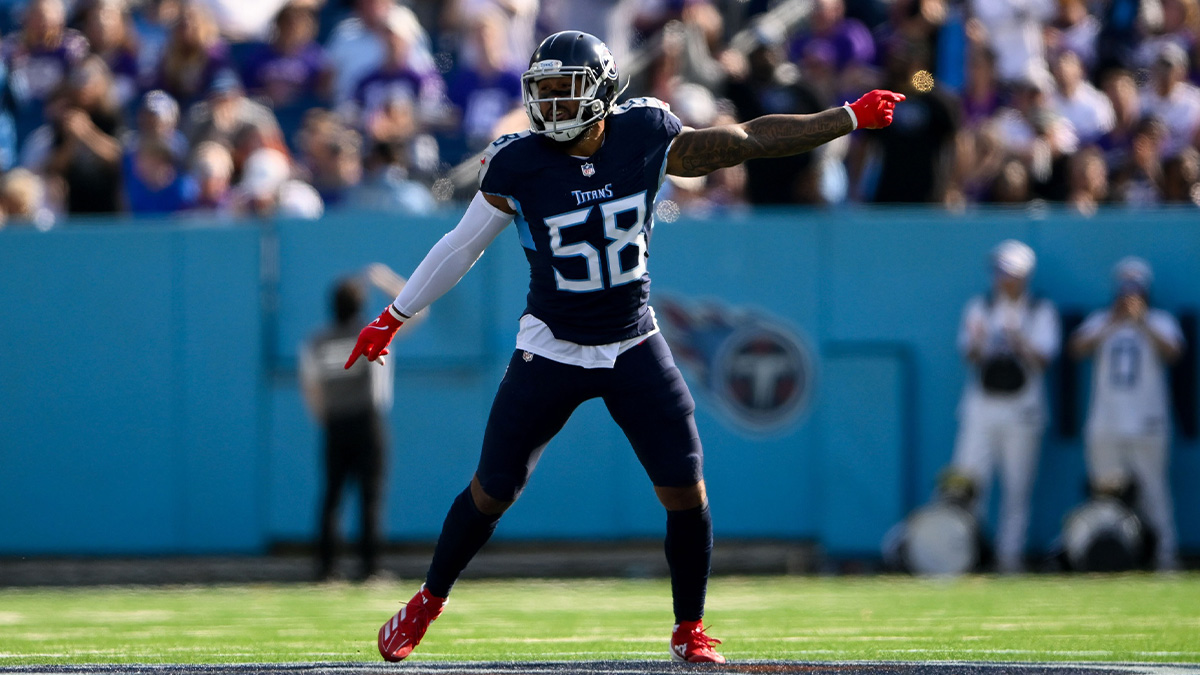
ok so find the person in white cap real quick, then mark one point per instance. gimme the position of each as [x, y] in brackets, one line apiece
[1008, 337]
[1127, 434]
[268, 189]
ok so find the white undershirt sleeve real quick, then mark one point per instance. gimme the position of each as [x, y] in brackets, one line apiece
[453, 255]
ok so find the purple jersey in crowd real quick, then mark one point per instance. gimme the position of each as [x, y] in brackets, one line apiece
[484, 99]
[189, 90]
[422, 91]
[284, 78]
[35, 73]
[850, 42]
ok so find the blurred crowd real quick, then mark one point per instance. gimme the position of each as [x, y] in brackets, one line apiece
[296, 108]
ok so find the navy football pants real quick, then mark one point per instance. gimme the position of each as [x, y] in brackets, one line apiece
[645, 394]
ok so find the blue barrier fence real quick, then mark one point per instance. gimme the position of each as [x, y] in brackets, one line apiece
[149, 405]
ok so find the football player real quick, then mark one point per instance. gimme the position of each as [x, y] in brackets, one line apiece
[580, 185]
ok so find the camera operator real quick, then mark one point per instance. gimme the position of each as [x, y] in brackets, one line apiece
[1008, 338]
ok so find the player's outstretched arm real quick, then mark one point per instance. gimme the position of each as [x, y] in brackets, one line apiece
[385, 279]
[445, 264]
[697, 152]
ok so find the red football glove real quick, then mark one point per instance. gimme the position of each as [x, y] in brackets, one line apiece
[874, 109]
[374, 339]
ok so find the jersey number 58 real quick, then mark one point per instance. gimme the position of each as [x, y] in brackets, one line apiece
[618, 238]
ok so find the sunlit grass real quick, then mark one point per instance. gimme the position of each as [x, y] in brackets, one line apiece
[1137, 617]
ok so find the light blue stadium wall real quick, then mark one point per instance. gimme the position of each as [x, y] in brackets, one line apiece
[148, 401]
[131, 385]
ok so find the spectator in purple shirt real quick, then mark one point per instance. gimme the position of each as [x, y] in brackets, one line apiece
[1121, 88]
[981, 92]
[395, 81]
[193, 56]
[1075, 29]
[39, 57]
[109, 31]
[291, 67]
[849, 40]
[1140, 181]
[486, 90]
[356, 45]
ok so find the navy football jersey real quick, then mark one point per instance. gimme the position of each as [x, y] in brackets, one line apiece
[585, 222]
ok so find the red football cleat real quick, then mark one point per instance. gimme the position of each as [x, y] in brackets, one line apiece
[690, 644]
[404, 631]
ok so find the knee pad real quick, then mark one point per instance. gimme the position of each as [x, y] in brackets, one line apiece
[504, 487]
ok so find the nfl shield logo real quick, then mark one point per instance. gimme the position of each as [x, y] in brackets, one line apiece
[588, 170]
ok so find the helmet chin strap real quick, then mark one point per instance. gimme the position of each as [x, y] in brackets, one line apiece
[582, 132]
[570, 135]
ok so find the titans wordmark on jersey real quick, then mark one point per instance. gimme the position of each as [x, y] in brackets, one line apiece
[585, 222]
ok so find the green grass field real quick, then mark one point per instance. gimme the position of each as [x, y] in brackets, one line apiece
[1124, 618]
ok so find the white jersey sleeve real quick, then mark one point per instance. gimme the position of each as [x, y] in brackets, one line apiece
[1166, 327]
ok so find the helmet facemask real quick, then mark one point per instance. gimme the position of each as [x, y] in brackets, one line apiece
[584, 90]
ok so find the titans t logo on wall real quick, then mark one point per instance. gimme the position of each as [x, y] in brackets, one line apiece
[759, 372]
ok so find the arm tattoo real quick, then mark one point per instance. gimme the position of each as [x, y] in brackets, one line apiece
[696, 153]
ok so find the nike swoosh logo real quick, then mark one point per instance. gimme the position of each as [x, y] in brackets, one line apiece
[377, 327]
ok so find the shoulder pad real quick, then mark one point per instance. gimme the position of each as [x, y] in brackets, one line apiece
[504, 140]
[494, 148]
[643, 102]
